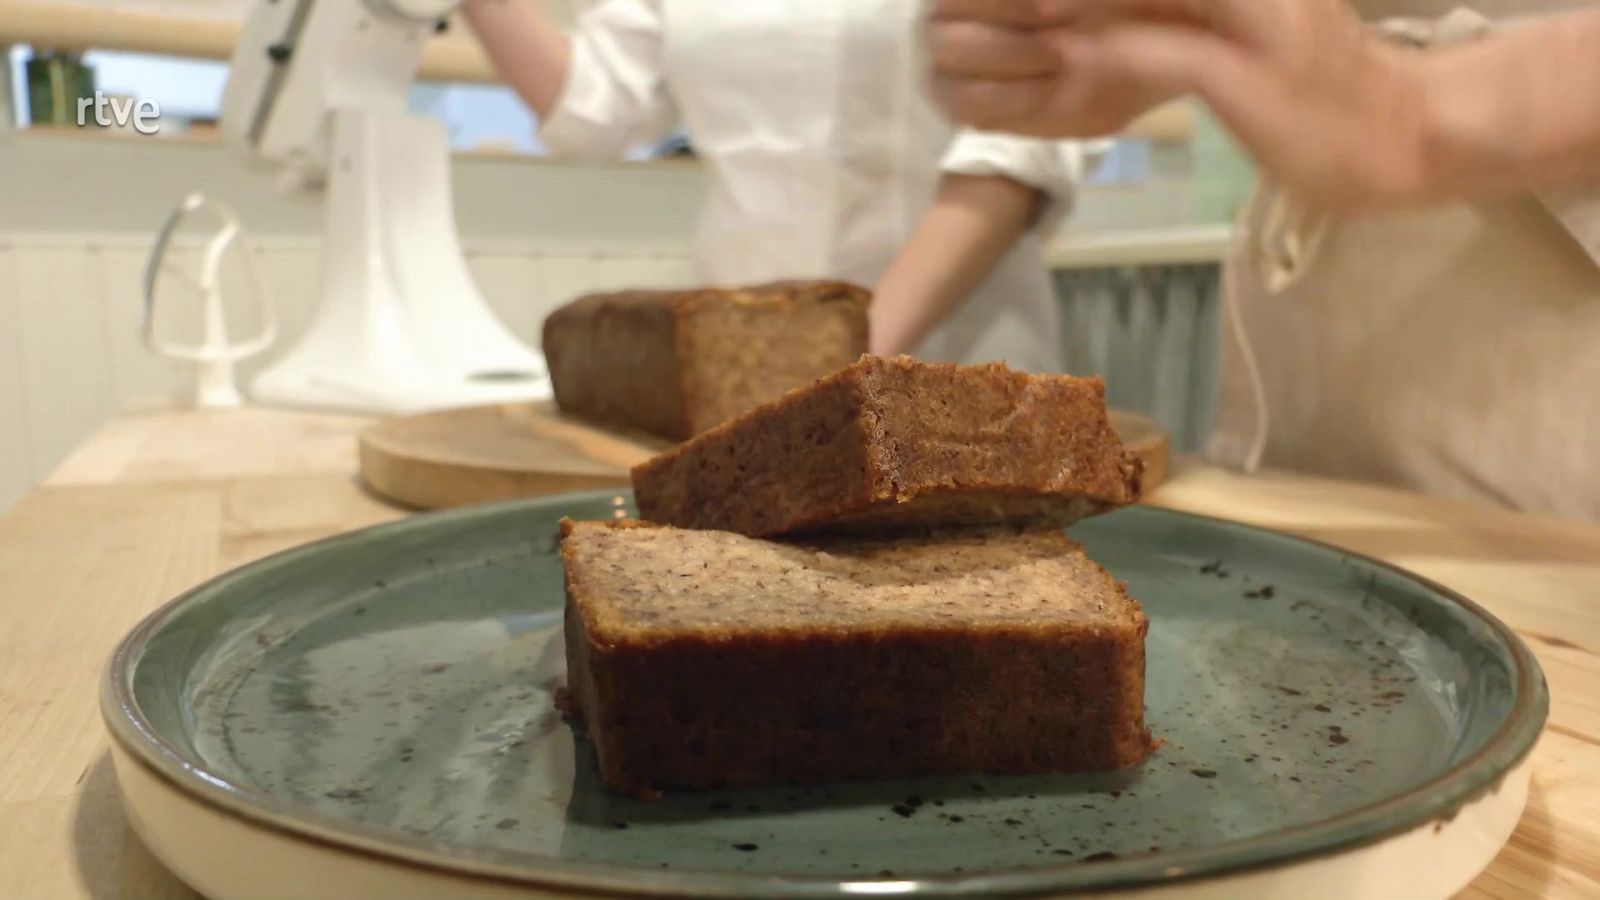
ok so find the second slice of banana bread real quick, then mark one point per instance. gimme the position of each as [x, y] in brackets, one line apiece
[675, 363]
[893, 443]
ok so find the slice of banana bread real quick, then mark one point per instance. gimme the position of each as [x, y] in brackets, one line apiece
[890, 443]
[706, 658]
[675, 363]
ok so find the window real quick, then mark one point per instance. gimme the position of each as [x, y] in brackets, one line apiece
[19, 86]
[479, 117]
[47, 86]
[1127, 161]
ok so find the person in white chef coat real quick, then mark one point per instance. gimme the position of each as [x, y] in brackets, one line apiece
[1447, 339]
[827, 157]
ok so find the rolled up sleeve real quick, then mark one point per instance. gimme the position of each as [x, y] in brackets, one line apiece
[1051, 167]
[615, 97]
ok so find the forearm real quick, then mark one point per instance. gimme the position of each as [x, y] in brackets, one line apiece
[973, 221]
[1518, 109]
[528, 50]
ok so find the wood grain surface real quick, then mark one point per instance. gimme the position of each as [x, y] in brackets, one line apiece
[484, 453]
[154, 504]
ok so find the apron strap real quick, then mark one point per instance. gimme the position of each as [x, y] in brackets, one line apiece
[1276, 241]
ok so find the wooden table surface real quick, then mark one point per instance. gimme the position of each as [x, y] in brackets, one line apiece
[154, 504]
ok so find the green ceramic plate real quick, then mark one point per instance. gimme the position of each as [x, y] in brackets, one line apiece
[389, 691]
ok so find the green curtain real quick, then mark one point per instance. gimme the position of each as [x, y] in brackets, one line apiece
[1152, 333]
[55, 82]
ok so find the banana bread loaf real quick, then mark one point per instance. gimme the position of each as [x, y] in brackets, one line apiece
[675, 363]
[888, 443]
[706, 658]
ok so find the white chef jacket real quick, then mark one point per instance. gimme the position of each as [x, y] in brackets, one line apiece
[822, 145]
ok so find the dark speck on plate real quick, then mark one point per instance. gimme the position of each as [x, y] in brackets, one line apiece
[619, 825]
[506, 824]
[1203, 773]
[902, 810]
[747, 848]
[1322, 707]
[1100, 857]
[1013, 822]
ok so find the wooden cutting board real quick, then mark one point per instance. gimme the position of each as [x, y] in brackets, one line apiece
[485, 453]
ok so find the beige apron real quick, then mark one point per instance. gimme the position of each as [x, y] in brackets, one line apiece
[1454, 351]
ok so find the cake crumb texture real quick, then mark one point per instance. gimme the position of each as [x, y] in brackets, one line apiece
[894, 443]
[705, 658]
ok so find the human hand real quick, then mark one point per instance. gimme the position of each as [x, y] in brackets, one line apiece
[1322, 105]
[1008, 65]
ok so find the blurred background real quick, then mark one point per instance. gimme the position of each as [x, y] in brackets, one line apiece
[1136, 264]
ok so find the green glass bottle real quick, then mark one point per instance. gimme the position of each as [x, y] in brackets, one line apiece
[56, 81]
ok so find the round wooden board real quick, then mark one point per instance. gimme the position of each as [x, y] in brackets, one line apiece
[1142, 435]
[485, 453]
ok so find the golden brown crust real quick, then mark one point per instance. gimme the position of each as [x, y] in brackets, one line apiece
[887, 443]
[886, 673]
[674, 363]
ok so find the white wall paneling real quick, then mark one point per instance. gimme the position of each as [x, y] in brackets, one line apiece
[16, 465]
[65, 346]
[71, 353]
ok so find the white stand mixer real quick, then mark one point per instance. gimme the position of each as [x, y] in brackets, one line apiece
[318, 88]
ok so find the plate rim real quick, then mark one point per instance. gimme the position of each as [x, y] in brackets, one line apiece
[1469, 779]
